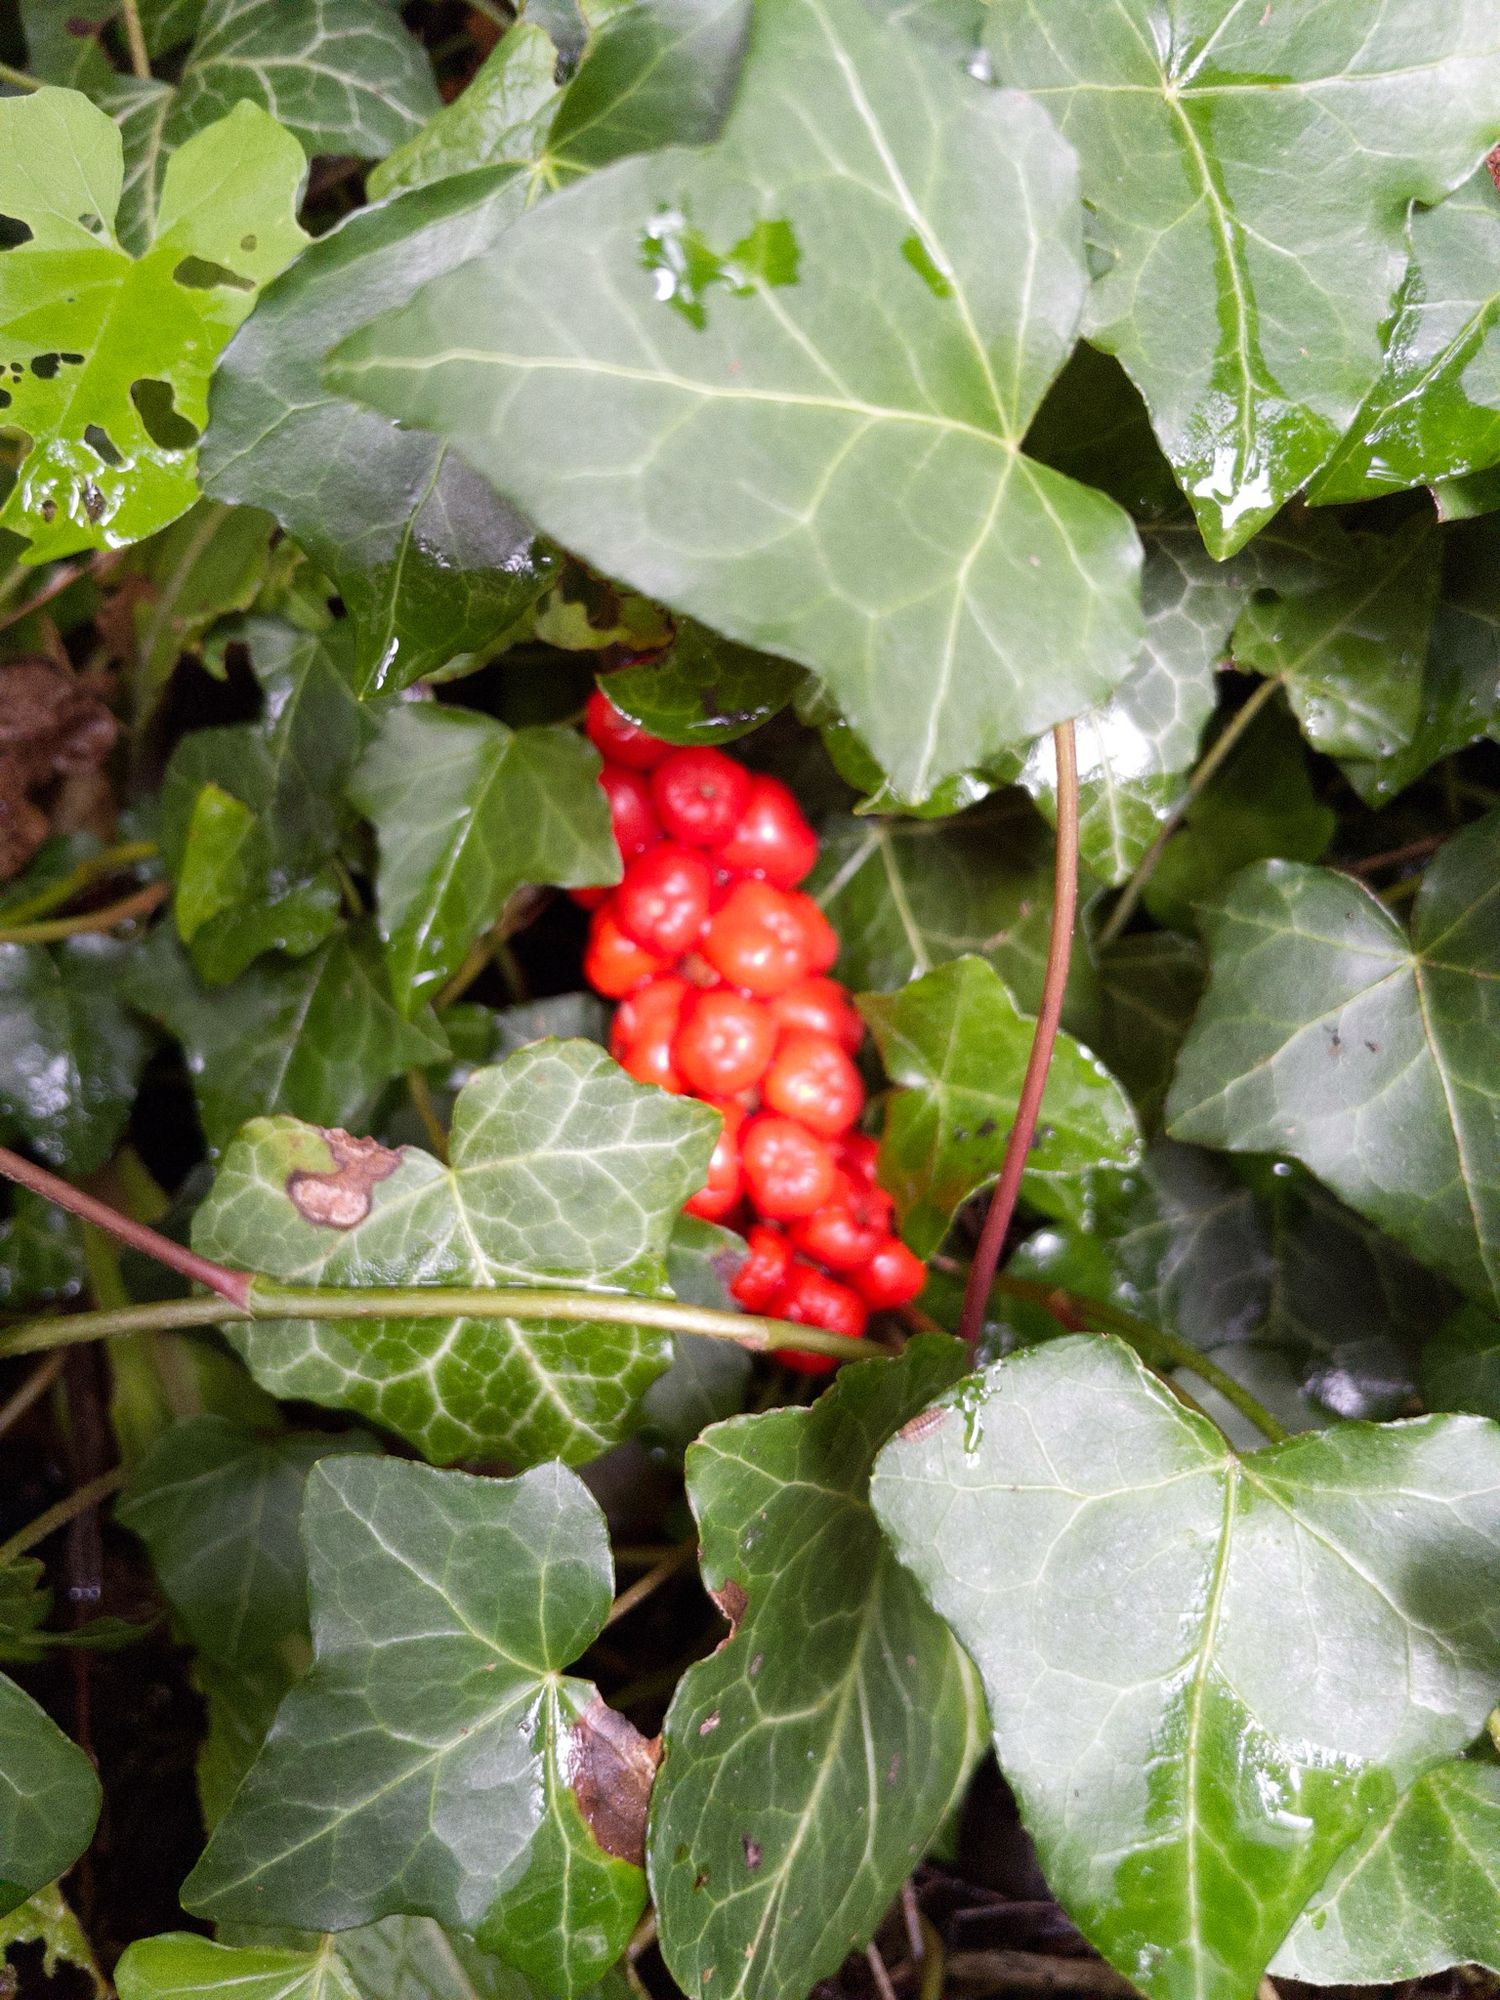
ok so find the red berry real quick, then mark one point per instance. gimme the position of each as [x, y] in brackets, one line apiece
[590, 899]
[820, 939]
[725, 1042]
[859, 1156]
[810, 1298]
[618, 738]
[757, 939]
[892, 1276]
[822, 1008]
[699, 796]
[772, 838]
[662, 900]
[788, 1170]
[725, 1182]
[644, 1028]
[812, 1080]
[631, 813]
[764, 1271]
[613, 963]
[849, 1228]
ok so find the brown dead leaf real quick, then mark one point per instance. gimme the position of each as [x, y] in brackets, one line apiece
[610, 1770]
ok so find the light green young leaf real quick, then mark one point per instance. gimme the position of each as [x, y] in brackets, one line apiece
[564, 1172]
[736, 415]
[1326, 1034]
[810, 1760]
[49, 1798]
[182, 1966]
[435, 1761]
[70, 1054]
[1248, 177]
[956, 1045]
[108, 358]
[45, 1919]
[1285, 1641]
[466, 811]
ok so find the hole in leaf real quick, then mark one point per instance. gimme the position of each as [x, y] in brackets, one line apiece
[165, 424]
[102, 445]
[93, 500]
[200, 274]
[45, 366]
[93, 223]
[5, 399]
[14, 232]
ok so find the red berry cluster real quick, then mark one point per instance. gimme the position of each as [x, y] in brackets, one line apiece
[720, 964]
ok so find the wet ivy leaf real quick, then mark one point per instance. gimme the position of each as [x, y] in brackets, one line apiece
[1434, 414]
[499, 119]
[703, 689]
[317, 1036]
[1245, 295]
[731, 361]
[207, 565]
[48, 1803]
[1149, 983]
[1297, 1636]
[412, 1958]
[506, 1800]
[182, 1966]
[467, 811]
[810, 1760]
[41, 1254]
[106, 358]
[1461, 1364]
[70, 1054]
[1326, 1034]
[564, 1173]
[429, 561]
[1420, 1891]
[955, 1045]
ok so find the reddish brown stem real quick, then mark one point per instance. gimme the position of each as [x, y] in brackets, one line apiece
[231, 1285]
[1059, 957]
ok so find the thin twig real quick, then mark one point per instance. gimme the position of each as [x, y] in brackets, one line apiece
[36, 1385]
[932, 1964]
[641, 1589]
[135, 40]
[18, 77]
[420, 1094]
[1210, 761]
[1394, 857]
[60, 580]
[911, 1916]
[140, 903]
[59, 1516]
[1044, 1037]
[878, 1972]
[111, 862]
[1011, 1972]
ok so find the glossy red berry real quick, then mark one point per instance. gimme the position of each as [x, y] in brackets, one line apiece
[849, 1228]
[811, 1298]
[812, 1080]
[615, 736]
[725, 1183]
[859, 1156]
[725, 1042]
[613, 963]
[771, 838]
[662, 900]
[768, 1260]
[699, 796]
[631, 813]
[821, 1007]
[642, 1034]
[820, 939]
[789, 1171]
[892, 1277]
[757, 939]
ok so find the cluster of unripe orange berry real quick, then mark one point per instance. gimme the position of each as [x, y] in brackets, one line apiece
[720, 965]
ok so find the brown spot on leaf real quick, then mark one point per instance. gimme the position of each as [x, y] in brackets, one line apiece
[610, 1770]
[923, 1424]
[732, 1602]
[709, 1724]
[340, 1198]
[753, 1851]
[1493, 163]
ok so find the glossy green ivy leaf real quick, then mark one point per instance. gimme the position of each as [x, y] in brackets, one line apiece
[810, 1760]
[41, 1255]
[427, 558]
[564, 1172]
[1246, 278]
[70, 1054]
[1149, 983]
[955, 1045]
[45, 1919]
[181, 1966]
[1461, 1364]
[1434, 414]
[106, 358]
[733, 418]
[703, 689]
[435, 1761]
[49, 1798]
[499, 119]
[466, 811]
[209, 564]
[317, 1036]
[1290, 1639]
[64, 45]
[1326, 1034]
[1418, 1893]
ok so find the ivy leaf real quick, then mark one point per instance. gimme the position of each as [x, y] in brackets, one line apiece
[107, 358]
[181, 1966]
[729, 360]
[703, 689]
[499, 119]
[48, 1802]
[708, 1379]
[210, 563]
[810, 1760]
[1327, 1035]
[564, 1172]
[1416, 1894]
[955, 1044]
[1246, 295]
[1299, 1634]
[1149, 983]
[506, 1800]
[317, 1036]
[70, 1054]
[1461, 1364]
[1433, 414]
[428, 560]
[466, 811]
[41, 1256]
[45, 1919]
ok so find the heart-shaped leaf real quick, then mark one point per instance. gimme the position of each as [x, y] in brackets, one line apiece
[49, 1798]
[70, 1053]
[1246, 277]
[435, 1761]
[564, 1172]
[1205, 1673]
[688, 339]
[811, 1758]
